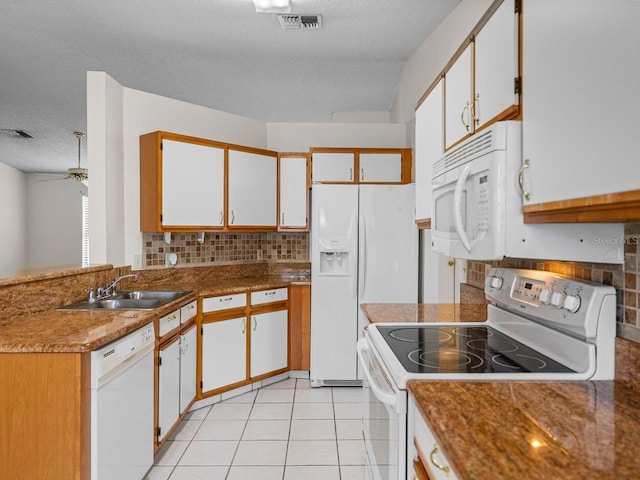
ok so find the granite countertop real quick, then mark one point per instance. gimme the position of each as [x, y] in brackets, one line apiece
[82, 331]
[535, 431]
[69, 331]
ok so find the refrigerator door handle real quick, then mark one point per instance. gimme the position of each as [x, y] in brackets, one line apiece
[363, 255]
[353, 263]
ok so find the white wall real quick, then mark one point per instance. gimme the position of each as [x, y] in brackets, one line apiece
[431, 57]
[105, 162]
[13, 225]
[54, 221]
[298, 137]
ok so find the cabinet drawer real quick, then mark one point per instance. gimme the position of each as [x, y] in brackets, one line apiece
[188, 312]
[224, 302]
[268, 296]
[169, 322]
[431, 455]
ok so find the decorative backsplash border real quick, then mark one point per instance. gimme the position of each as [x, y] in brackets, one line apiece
[225, 248]
[624, 278]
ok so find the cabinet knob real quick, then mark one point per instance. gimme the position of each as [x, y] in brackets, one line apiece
[362, 174]
[465, 109]
[282, 218]
[233, 217]
[221, 217]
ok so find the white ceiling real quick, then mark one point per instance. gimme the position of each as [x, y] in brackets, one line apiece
[216, 53]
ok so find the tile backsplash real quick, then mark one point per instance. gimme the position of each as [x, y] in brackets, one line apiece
[226, 248]
[624, 278]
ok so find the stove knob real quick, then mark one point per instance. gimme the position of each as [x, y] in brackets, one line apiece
[545, 296]
[557, 299]
[572, 303]
[495, 282]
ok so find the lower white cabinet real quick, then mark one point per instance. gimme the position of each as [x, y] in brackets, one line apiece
[168, 388]
[224, 353]
[269, 342]
[187, 368]
[176, 380]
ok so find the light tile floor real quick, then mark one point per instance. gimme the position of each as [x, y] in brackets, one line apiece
[284, 431]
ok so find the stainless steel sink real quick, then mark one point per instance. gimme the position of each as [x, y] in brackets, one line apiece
[151, 295]
[134, 300]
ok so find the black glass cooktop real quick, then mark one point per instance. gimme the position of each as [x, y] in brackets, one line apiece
[452, 349]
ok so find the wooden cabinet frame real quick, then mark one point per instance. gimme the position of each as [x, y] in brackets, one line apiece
[246, 311]
[151, 184]
[406, 167]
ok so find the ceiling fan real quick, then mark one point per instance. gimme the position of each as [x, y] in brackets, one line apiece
[78, 173]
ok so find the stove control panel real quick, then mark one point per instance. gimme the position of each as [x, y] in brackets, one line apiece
[571, 303]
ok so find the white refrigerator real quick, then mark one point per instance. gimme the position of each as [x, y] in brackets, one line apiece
[364, 249]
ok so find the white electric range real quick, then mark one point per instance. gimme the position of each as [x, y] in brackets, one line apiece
[540, 326]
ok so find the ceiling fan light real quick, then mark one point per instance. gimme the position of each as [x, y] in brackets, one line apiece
[272, 6]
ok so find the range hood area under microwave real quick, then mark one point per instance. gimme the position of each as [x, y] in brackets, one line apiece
[477, 208]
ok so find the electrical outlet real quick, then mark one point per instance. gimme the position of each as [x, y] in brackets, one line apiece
[137, 262]
[259, 254]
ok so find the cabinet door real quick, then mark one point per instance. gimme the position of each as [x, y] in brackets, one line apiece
[224, 353]
[380, 167]
[429, 148]
[187, 368]
[496, 64]
[458, 121]
[192, 184]
[168, 387]
[333, 167]
[580, 113]
[269, 342]
[252, 189]
[294, 194]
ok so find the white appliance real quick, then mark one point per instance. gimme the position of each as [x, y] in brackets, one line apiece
[477, 208]
[122, 407]
[364, 248]
[540, 326]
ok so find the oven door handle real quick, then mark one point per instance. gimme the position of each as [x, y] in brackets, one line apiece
[457, 206]
[384, 397]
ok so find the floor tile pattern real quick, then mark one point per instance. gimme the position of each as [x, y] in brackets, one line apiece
[285, 431]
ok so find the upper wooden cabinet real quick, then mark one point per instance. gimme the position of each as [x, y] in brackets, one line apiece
[192, 184]
[496, 65]
[380, 167]
[482, 81]
[293, 192]
[429, 149]
[333, 166]
[361, 165]
[580, 111]
[181, 183]
[253, 178]
[458, 98]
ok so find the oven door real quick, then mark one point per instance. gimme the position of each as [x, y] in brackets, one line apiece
[468, 217]
[384, 419]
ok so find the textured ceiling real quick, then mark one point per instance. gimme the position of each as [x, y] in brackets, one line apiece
[216, 53]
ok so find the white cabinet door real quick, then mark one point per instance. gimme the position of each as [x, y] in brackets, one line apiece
[187, 368]
[429, 148]
[332, 167]
[496, 64]
[252, 189]
[380, 167]
[192, 184]
[580, 107]
[269, 342]
[168, 388]
[458, 120]
[224, 348]
[294, 194]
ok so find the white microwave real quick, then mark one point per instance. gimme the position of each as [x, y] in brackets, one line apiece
[477, 208]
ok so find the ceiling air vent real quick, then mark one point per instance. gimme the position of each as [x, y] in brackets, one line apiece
[300, 21]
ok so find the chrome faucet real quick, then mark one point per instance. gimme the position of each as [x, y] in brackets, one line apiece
[111, 290]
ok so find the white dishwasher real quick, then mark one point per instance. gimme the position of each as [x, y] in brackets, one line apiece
[122, 407]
